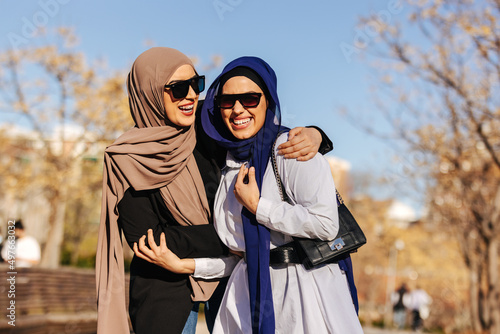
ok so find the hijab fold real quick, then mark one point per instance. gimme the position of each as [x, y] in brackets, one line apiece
[155, 154]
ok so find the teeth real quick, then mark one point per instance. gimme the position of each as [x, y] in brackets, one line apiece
[242, 121]
[186, 108]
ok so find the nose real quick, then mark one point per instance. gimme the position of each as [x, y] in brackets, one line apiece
[238, 107]
[191, 93]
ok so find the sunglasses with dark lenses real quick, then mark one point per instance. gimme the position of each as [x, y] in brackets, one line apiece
[180, 89]
[247, 100]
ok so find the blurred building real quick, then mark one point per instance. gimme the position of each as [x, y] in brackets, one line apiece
[18, 153]
[400, 214]
[340, 171]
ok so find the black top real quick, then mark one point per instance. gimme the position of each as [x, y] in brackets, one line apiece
[160, 300]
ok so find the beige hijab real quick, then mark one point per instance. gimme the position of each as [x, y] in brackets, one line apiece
[154, 154]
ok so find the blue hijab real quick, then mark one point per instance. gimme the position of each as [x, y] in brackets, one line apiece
[257, 151]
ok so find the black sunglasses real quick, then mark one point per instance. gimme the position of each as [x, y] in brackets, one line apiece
[247, 100]
[180, 89]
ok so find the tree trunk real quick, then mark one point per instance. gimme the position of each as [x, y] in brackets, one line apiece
[474, 295]
[51, 254]
[493, 287]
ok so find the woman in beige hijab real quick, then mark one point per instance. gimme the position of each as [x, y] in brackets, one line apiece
[161, 175]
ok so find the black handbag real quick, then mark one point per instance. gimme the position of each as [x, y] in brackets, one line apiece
[313, 252]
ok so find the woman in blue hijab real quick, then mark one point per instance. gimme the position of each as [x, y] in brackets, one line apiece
[266, 294]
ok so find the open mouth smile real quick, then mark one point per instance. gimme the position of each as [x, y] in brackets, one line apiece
[187, 109]
[241, 123]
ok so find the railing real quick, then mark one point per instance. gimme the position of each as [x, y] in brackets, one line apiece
[39, 300]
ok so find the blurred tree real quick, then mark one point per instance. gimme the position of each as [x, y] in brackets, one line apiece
[72, 110]
[371, 261]
[439, 89]
[428, 257]
[83, 212]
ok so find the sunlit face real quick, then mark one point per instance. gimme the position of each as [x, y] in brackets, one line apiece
[244, 122]
[181, 111]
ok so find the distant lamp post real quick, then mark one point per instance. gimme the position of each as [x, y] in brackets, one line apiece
[399, 245]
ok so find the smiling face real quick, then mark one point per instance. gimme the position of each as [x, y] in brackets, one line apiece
[181, 111]
[243, 122]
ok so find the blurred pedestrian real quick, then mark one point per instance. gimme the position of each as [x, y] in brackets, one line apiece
[26, 249]
[400, 300]
[419, 302]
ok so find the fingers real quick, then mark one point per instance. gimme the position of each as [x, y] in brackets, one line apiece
[242, 174]
[163, 243]
[293, 132]
[299, 151]
[151, 242]
[294, 145]
[303, 146]
[150, 253]
[240, 180]
[137, 252]
[251, 176]
[141, 250]
[306, 157]
[142, 243]
[289, 143]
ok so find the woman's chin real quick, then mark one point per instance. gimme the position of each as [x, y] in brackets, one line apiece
[242, 132]
[184, 121]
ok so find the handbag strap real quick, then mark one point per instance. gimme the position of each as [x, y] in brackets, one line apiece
[284, 196]
[281, 188]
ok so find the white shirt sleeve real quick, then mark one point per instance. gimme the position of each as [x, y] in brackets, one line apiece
[313, 211]
[209, 268]
[28, 249]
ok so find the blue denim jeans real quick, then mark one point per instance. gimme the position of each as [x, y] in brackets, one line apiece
[211, 309]
[399, 318]
[190, 326]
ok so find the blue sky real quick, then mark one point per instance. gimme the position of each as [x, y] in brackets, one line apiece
[300, 40]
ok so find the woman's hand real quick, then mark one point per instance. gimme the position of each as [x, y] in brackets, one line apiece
[247, 193]
[303, 144]
[161, 255]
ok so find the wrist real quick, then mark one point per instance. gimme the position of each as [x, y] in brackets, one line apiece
[318, 138]
[187, 266]
[254, 205]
